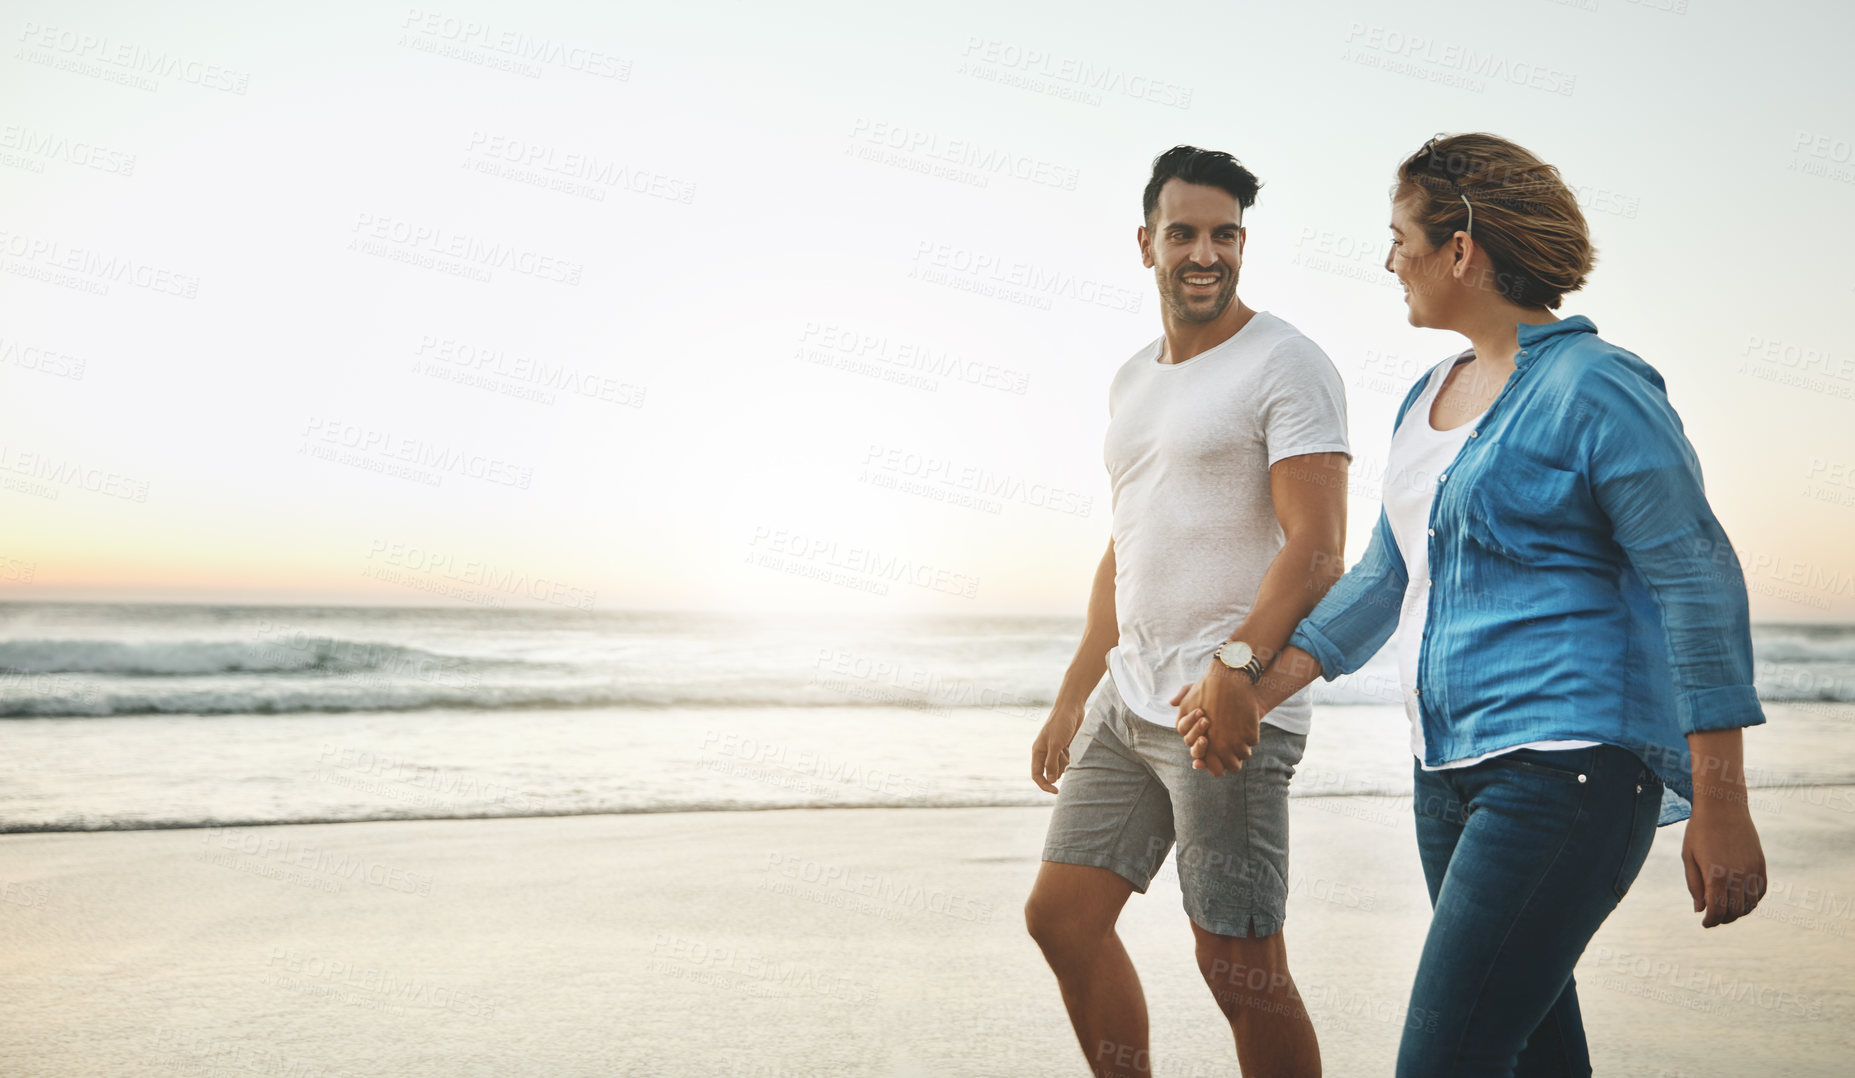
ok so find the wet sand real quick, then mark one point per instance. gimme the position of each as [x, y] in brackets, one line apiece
[810, 942]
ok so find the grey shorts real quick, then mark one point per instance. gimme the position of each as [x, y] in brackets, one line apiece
[1127, 797]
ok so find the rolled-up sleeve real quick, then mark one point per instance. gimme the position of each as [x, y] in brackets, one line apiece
[1646, 478]
[1360, 611]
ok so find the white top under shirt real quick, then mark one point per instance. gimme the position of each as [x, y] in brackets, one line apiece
[1188, 449]
[1419, 458]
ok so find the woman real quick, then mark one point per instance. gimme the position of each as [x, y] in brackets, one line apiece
[1572, 630]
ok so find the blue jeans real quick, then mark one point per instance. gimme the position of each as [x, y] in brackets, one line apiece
[1525, 855]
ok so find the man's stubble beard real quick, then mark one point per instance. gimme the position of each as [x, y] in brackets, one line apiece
[1169, 289]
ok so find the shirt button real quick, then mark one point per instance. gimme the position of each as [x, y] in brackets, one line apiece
[1427, 582]
[1432, 531]
[1444, 478]
[1416, 692]
[1581, 778]
[1474, 434]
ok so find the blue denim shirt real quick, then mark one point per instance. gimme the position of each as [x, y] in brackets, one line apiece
[1582, 589]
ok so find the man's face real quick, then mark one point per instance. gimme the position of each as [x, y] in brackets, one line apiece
[1195, 249]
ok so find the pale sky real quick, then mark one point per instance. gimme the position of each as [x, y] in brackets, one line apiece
[776, 307]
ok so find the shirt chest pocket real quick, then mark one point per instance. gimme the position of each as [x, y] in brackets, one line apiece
[1536, 513]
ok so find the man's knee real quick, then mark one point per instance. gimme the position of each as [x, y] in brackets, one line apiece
[1072, 904]
[1245, 971]
[1056, 917]
[1043, 918]
[1061, 921]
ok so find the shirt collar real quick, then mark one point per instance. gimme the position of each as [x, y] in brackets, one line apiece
[1533, 338]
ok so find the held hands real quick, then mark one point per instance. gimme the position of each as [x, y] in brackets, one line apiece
[1725, 862]
[1219, 719]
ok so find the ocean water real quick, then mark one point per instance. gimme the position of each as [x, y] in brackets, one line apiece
[126, 716]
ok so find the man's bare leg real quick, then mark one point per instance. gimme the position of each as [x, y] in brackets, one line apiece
[1071, 914]
[1249, 979]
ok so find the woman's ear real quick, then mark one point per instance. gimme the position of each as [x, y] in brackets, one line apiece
[1462, 251]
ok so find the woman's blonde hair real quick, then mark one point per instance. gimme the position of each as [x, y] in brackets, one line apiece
[1525, 217]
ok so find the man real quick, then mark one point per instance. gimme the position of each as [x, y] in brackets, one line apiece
[1227, 453]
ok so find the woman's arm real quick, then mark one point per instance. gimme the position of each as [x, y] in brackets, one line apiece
[1721, 852]
[1346, 628]
[1646, 478]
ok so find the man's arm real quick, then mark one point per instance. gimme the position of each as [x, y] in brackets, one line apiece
[1101, 631]
[1310, 503]
[1309, 493]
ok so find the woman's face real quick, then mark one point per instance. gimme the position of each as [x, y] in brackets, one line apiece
[1423, 270]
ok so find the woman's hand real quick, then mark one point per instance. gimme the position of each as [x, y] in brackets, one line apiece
[1725, 862]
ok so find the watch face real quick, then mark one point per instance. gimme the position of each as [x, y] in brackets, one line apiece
[1236, 654]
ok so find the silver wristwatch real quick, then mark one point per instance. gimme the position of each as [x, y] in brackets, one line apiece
[1238, 656]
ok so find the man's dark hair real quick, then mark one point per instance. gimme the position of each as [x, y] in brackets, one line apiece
[1213, 168]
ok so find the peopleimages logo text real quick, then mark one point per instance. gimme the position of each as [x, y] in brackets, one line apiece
[1463, 58]
[1040, 282]
[1077, 72]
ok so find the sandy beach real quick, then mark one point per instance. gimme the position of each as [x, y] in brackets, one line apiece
[807, 942]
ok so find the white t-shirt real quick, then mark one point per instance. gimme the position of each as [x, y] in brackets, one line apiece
[1419, 458]
[1188, 451]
